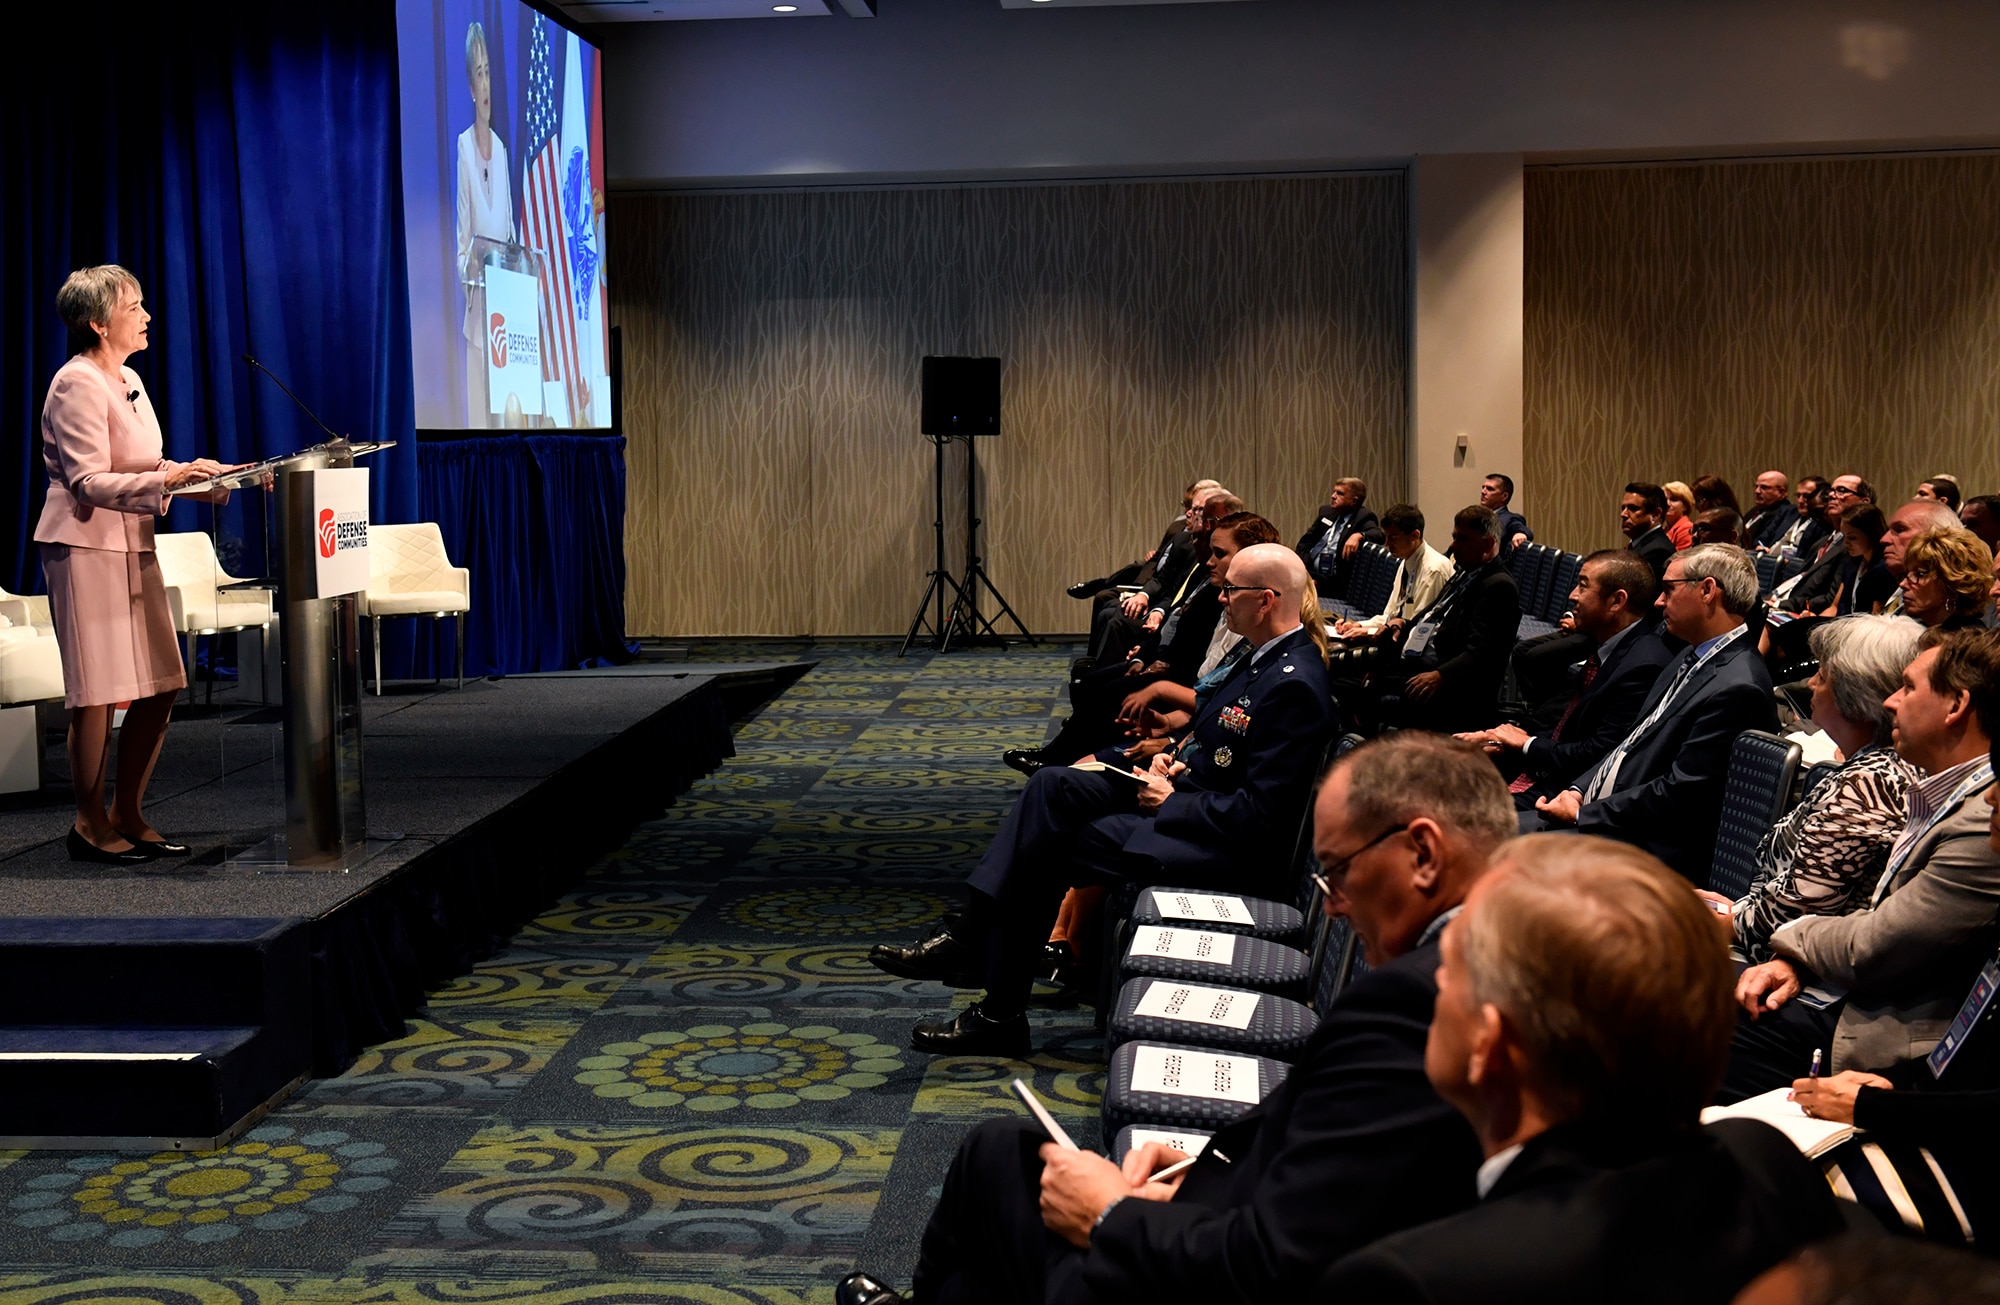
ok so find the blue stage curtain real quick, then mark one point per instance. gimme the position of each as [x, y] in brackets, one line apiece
[540, 522]
[242, 162]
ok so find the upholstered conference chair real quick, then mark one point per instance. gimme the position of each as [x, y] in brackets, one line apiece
[30, 672]
[409, 575]
[199, 596]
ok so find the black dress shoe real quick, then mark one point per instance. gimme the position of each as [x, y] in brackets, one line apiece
[1086, 588]
[1058, 962]
[860, 1289]
[1025, 760]
[973, 1034]
[939, 958]
[82, 849]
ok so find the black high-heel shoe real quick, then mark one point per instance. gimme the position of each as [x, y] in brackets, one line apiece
[82, 849]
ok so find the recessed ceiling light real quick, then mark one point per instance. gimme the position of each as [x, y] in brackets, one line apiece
[784, 9]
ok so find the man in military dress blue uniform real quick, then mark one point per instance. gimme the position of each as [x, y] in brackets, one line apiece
[1219, 809]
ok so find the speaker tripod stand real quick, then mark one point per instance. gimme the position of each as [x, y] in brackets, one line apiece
[960, 620]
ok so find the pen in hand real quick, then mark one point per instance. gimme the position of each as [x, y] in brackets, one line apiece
[1814, 1072]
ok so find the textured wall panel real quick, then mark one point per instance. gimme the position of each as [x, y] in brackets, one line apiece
[1255, 331]
[1812, 316]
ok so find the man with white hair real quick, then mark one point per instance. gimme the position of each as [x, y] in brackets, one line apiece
[1217, 809]
[1661, 789]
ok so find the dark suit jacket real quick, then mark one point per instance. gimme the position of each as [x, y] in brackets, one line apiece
[1255, 756]
[1361, 521]
[1470, 652]
[1604, 715]
[1668, 797]
[1654, 549]
[1512, 523]
[1176, 557]
[1353, 1145]
[1764, 528]
[1688, 1219]
[1815, 587]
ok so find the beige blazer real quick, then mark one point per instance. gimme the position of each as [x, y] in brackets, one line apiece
[107, 478]
[1908, 963]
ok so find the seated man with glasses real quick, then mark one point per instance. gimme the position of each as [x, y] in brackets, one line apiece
[1353, 1145]
[1218, 808]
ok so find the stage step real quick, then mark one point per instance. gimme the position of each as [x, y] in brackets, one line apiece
[213, 1024]
[134, 1088]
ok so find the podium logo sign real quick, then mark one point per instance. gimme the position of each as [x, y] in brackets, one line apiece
[513, 343]
[340, 530]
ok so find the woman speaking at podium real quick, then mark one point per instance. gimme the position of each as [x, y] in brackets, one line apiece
[107, 481]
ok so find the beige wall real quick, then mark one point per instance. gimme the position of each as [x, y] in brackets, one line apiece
[1813, 316]
[1256, 331]
[1466, 217]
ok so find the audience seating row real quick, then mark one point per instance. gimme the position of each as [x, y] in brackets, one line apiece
[1545, 576]
[1370, 581]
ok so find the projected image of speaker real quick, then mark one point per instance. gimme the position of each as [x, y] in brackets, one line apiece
[961, 396]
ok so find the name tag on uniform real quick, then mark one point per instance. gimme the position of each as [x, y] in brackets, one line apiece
[1184, 944]
[1976, 1003]
[1185, 1143]
[1223, 1008]
[1182, 1073]
[1201, 906]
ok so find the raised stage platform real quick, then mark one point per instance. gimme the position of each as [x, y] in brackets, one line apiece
[170, 1008]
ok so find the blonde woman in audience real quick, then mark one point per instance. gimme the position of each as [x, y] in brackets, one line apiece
[1824, 857]
[1947, 577]
[1679, 524]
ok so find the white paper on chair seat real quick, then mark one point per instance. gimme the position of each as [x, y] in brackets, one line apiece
[1183, 1073]
[1185, 1143]
[1227, 1008]
[1201, 906]
[1184, 944]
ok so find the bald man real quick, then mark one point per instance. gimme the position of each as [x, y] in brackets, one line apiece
[1909, 521]
[1217, 809]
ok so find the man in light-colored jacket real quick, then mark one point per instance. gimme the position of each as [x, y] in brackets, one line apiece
[1880, 986]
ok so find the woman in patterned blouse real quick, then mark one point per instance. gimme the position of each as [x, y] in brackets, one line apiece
[1824, 856]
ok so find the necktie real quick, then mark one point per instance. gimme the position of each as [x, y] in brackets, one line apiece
[1205, 687]
[1524, 781]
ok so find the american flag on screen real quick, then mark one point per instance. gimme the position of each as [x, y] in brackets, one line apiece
[557, 222]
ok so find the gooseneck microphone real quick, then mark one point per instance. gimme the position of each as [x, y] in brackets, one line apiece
[293, 397]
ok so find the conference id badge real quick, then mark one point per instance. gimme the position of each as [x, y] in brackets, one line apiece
[1177, 1071]
[1223, 1008]
[1977, 1002]
[1419, 639]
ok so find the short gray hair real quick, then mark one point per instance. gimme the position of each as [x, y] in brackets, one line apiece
[1862, 659]
[1731, 569]
[88, 298]
[1408, 774]
[475, 39]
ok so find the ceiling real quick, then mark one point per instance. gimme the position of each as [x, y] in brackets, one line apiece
[661, 11]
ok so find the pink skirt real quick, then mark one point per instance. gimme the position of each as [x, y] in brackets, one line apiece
[113, 625]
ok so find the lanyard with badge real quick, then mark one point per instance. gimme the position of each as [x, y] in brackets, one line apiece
[1977, 1003]
[1418, 641]
[1980, 776]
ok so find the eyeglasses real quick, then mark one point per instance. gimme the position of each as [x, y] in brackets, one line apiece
[1328, 873]
[1667, 586]
[1230, 591]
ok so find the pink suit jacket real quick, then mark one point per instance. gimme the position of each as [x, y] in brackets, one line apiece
[107, 478]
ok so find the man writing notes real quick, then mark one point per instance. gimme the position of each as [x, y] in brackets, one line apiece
[1218, 809]
[1582, 1021]
[1353, 1144]
[1661, 787]
[1878, 987]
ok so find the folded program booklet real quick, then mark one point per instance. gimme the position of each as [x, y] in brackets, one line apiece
[1813, 1137]
[1100, 768]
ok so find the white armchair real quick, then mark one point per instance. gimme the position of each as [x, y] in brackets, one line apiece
[194, 577]
[409, 575]
[30, 673]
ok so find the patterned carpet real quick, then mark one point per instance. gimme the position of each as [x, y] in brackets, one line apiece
[683, 1082]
